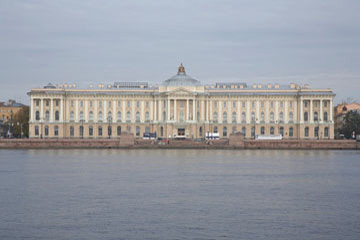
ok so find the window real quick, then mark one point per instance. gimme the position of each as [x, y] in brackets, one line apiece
[224, 131]
[91, 131]
[81, 116]
[291, 132]
[81, 104]
[272, 117]
[46, 130]
[262, 130]
[215, 117]
[56, 131]
[200, 131]
[71, 116]
[81, 131]
[262, 104]
[252, 132]
[325, 116]
[215, 104]
[291, 117]
[100, 103]
[306, 116]
[118, 116]
[109, 104]
[305, 103]
[57, 117]
[272, 104]
[164, 116]
[57, 103]
[281, 104]
[91, 116]
[181, 104]
[243, 131]
[128, 117]
[137, 104]
[137, 116]
[306, 132]
[316, 118]
[282, 131]
[272, 130]
[37, 115]
[128, 128]
[181, 116]
[224, 104]
[253, 104]
[325, 103]
[225, 117]
[91, 103]
[47, 102]
[100, 116]
[47, 115]
[262, 117]
[137, 131]
[252, 116]
[162, 131]
[147, 129]
[72, 103]
[233, 117]
[291, 104]
[243, 104]
[315, 103]
[198, 104]
[110, 116]
[119, 103]
[36, 130]
[215, 129]
[37, 102]
[281, 117]
[100, 131]
[326, 132]
[71, 131]
[243, 117]
[233, 130]
[147, 104]
[234, 104]
[118, 130]
[316, 132]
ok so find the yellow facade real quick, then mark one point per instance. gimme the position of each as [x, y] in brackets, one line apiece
[181, 107]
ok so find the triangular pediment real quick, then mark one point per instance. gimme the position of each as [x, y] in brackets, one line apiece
[181, 92]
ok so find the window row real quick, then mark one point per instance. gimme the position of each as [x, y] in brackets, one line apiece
[316, 116]
[109, 103]
[262, 117]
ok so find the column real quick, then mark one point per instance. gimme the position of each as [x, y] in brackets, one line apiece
[277, 111]
[86, 114]
[229, 115]
[168, 109]
[96, 112]
[331, 111]
[311, 112]
[142, 111]
[105, 112]
[220, 115]
[301, 110]
[31, 109]
[321, 115]
[41, 110]
[133, 111]
[61, 110]
[174, 109]
[194, 110]
[77, 110]
[248, 114]
[203, 111]
[257, 111]
[286, 112]
[51, 110]
[211, 111]
[187, 109]
[238, 115]
[114, 115]
[152, 111]
[123, 110]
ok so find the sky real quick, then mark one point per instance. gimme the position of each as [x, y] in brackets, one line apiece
[314, 42]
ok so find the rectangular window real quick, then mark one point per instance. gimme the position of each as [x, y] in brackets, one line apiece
[262, 104]
[147, 104]
[119, 103]
[291, 104]
[72, 103]
[128, 103]
[37, 103]
[137, 104]
[243, 104]
[109, 104]
[57, 103]
[272, 104]
[234, 104]
[91, 104]
[181, 104]
[100, 131]
[253, 104]
[81, 103]
[224, 104]
[325, 103]
[305, 103]
[215, 104]
[315, 103]
[47, 103]
[100, 103]
[281, 104]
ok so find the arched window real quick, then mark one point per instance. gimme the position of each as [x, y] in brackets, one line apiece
[91, 116]
[316, 117]
[262, 131]
[118, 116]
[325, 116]
[272, 117]
[36, 130]
[100, 116]
[91, 131]
[262, 117]
[57, 116]
[137, 116]
[56, 131]
[224, 131]
[291, 132]
[243, 131]
[137, 131]
[272, 130]
[326, 132]
[282, 131]
[198, 116]
[243, 117]
[119, 130]
[200, 131]
[306, 132]
[233, 117]
[181, 116]
[215, 117]
[252, 116]
[46, 130]
[281, 117]
[71, 131]
[47, 116]
[316, 132]
[147, 116]
[252, 132]
[291, 117]
[306, 116]
[225, 117]
[161, 131]
[128, 117]
[71, 116]
[37, 115]
[81, 115]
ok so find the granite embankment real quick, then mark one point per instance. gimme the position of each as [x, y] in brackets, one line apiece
[129, 142]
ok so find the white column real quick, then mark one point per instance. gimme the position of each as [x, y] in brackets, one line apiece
[77, 110]
[123, 111]
[311, 112]
[210, 103]
[114, 115]
[321, 111]
[187, 109]
[168, 109]
[133, 111]
[105, 111]
[295, 113]
[194, 110]
[267, 112]
[229, 115]
[220, 115]
[331, 110]
[257, 111]
[248, 114]
[286, 112]
[203, 110]
[61, 110]
[96, 117]
[160, 111]
[142, 111]
[86, 114]
[175, 110]
[152, 111]
[42, 110]
[238, 115]
[31, 109]
[301, 110]
[277, 111]
[51, 110]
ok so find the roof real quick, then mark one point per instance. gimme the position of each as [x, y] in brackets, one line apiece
[181, 79]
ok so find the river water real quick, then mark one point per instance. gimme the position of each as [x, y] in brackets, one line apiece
[179, 194]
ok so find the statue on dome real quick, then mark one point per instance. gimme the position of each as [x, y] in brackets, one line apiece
[181, 69]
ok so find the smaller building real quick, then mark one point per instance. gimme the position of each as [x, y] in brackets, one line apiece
[340, 112]
[9, 109]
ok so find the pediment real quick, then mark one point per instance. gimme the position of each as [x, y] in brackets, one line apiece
[181, 92]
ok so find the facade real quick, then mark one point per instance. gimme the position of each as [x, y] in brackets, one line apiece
[181, 107]
[340, 112]
[9, 109]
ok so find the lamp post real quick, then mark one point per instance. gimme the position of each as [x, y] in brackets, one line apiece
[255, 126]
[109, 127]
[82, 128]
[318, 133]
[21, 129]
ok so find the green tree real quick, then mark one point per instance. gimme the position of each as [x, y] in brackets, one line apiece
[351, 124]
[21, 121]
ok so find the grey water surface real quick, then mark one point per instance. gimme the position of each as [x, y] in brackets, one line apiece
[179, 194]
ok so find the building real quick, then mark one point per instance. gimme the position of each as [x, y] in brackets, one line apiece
[340, 112]
[9, 109]
[181, 107]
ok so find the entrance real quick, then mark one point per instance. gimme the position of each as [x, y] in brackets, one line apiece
[181, 132]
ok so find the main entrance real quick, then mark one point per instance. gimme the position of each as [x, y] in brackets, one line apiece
[181, 132]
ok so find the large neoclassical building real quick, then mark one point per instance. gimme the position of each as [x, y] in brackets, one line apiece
[181, 107]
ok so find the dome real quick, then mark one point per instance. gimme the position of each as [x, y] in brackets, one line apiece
[181, 79]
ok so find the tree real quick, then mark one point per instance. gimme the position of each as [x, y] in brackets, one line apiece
[21, 120]
[351, 124]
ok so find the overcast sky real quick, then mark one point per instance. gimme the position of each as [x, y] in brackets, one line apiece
[278, 41]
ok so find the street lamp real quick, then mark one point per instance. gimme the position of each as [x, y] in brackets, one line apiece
[255, 119]
[21, 129]
[109, 127]
[82, 128]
